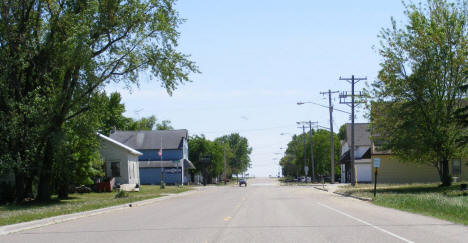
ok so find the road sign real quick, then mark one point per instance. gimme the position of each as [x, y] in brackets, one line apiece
[376, 171]
[376, 162]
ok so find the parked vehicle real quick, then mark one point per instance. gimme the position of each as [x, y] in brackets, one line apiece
[242, 181]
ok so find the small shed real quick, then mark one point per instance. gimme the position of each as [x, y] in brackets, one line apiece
[121, 161]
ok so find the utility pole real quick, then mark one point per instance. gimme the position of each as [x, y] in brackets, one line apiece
[312, 151]
[311, 147]
[305, 159]
[224, 163]
[343, 100]
[304, 140]
[332, 147]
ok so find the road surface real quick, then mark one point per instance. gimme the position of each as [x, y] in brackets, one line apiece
[261, 212]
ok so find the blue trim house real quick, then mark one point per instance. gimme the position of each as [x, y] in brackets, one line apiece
[173, 162]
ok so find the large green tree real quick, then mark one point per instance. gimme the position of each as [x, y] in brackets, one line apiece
[199, 147]
[293, 162]
[56, 55]
[418, 87]
[111, 113]
[238, 158]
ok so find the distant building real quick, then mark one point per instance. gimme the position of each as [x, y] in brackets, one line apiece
[362, 153]
[173, 161]
[121, 161]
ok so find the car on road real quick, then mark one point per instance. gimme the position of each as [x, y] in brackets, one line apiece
[242, 181]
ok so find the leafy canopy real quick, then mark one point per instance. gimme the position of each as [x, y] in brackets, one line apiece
[418, 88]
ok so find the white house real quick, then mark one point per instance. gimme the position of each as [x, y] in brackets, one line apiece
[121, 161]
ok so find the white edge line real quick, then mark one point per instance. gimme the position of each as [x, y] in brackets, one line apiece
[366, 223]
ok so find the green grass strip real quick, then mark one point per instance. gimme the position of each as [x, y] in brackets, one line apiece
[13, 213]
[448, 203]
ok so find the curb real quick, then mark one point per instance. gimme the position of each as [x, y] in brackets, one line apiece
[13, 228]
[321, 189]
[304, 185]
[355, 197]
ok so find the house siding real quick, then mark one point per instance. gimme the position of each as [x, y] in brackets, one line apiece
[133, 170]
[167, 154]
[393, 171]
[464, 170]
[129, 173]
[152, 176]
[172, 175]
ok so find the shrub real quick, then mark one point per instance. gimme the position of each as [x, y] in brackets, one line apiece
[121, 194]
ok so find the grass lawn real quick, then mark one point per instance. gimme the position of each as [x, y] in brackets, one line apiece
[11, 214]
[449, 203]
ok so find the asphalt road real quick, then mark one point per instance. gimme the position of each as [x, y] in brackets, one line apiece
[261, 212]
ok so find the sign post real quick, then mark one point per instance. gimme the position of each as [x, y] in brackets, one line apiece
[376, 170]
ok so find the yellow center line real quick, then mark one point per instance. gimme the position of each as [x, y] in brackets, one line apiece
[227, 218]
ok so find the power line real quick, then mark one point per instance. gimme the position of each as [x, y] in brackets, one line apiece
[247, 130]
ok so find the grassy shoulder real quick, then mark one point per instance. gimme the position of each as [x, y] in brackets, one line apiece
[12, 214]
[448, 203]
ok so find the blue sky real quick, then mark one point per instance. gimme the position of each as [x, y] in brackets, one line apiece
[258, 58]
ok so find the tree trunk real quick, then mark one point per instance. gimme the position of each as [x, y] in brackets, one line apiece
[28, 190]
[63, 190]
[19, 187]
[446, 180]
[44, 190]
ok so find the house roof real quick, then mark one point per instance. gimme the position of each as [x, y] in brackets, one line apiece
[169, 139]
[361, 134]
[120, 145]
[361, 152]
[164, 163]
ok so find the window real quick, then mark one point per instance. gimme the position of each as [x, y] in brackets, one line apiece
[456, 167]
[115, 168]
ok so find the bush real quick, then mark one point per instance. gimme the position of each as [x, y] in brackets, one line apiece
[121, 194]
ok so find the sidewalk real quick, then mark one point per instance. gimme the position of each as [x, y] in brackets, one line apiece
[333, 188]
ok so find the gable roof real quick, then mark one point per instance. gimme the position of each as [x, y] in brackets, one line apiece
[170, 139]
[120, 145]
[361, 134]
[361, 152]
